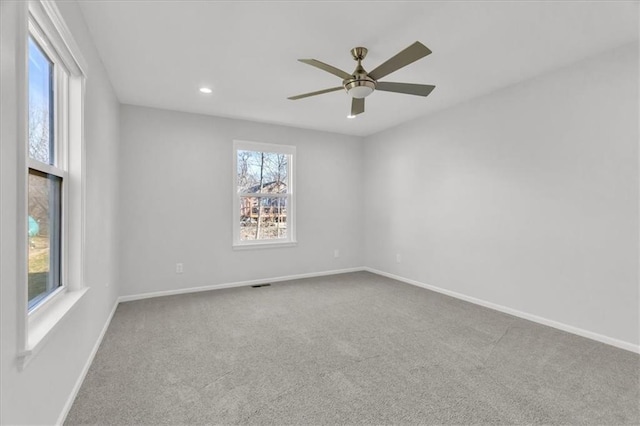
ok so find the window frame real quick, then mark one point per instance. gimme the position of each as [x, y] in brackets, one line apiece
[60, 82]
[290, 150]
[41, 20]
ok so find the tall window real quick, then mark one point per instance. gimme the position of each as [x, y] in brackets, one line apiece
[263, 194]
[50, 190]
[47, 173]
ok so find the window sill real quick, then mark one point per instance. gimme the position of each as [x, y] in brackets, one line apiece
[259, 246]
[41, 326]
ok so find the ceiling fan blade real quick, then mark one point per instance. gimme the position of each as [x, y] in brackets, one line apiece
[357, 106]
[407, 88]
[409, 55]
[326, 67]
[319, 92]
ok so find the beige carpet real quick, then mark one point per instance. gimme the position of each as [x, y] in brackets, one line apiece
[347, 349]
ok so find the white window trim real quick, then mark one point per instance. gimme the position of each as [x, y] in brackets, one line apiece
[290, 241]
[42, 19]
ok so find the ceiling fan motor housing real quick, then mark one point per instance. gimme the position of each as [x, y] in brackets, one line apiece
[360, 85]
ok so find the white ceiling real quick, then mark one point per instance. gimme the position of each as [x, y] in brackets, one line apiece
[158, 53]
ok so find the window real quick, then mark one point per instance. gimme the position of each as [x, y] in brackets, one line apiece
[46, 177]
[50, 179]
[264, 204]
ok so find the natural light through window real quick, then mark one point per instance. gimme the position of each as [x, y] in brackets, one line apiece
[50, 176]
[264, 210]
[45, 180]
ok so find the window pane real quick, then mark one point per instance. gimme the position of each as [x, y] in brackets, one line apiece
[262, 172]
[41, 144]
[44, 234]
[263, 218]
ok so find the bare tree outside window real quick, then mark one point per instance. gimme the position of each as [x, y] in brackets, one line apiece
[45, 189]
[263, 179]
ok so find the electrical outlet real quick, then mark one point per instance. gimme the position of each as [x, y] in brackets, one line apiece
[398, 258]
[336, 253]
[179, 268]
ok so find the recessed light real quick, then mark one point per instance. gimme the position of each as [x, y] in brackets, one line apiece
[205, 90]
[351, 116]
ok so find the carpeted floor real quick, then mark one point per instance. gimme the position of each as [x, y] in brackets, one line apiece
[347, 349]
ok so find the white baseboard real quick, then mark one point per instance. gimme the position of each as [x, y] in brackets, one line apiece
[85, 370]
[540, 320]
[235, 284]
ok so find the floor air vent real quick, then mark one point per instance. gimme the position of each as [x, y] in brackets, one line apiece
[260, 285]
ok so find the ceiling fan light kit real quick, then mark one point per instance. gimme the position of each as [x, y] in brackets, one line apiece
[360, 88]
[361, 84]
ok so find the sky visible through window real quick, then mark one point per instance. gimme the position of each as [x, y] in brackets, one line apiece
[44, 208]
[262, 169]
[40, 105]
[264, 181]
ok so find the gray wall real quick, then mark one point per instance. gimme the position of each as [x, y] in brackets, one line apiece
[176, 193]
[38, 394]
[526, 198]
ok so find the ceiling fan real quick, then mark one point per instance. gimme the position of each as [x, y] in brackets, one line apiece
[361, 84]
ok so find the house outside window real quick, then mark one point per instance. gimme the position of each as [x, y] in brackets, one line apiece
[264, 209]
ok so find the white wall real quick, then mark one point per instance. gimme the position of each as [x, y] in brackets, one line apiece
[38, 394]
[176, 192]
[526, 198]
